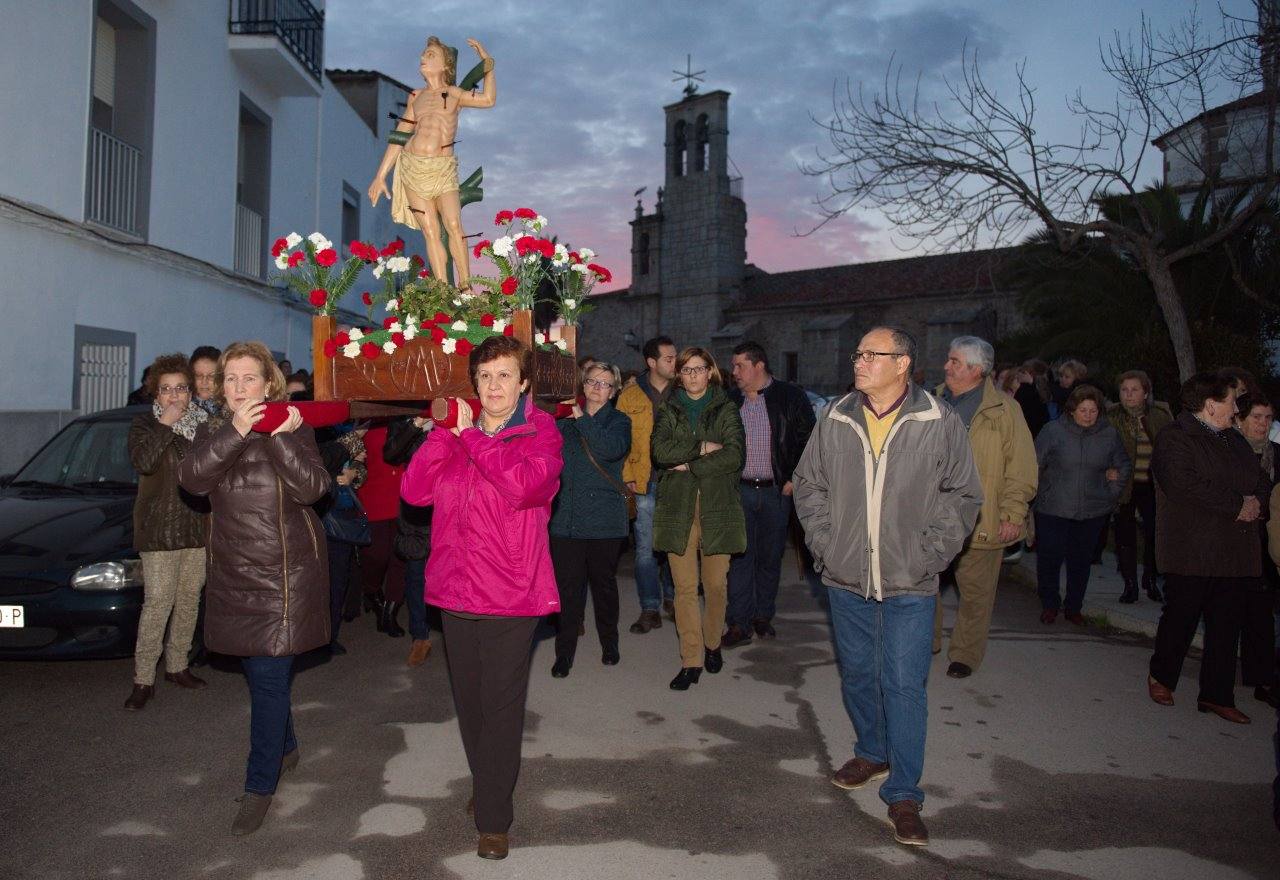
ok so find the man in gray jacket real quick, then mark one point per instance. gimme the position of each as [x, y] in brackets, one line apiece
[887, 492]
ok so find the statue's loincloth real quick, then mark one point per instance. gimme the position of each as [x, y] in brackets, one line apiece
[427, 177]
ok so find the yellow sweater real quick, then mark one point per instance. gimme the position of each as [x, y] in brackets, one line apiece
[878, 428]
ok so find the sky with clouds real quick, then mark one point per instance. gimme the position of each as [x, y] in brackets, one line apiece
[578, 126]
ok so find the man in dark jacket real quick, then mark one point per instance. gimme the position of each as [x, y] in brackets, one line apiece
[1210, 493]
[777, 418]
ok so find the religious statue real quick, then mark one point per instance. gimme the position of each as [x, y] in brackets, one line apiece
[424, 191]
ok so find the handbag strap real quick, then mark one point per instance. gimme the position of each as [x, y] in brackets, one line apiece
[620, 486]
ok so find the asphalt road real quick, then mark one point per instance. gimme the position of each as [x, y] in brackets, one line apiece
[1050, 762]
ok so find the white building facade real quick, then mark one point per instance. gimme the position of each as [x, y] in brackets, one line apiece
[152, 152]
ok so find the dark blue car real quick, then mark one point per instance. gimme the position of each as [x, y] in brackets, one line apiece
[70, 581]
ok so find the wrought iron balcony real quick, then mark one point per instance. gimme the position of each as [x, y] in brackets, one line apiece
[297, 25]
[248, 243]
[114, 169]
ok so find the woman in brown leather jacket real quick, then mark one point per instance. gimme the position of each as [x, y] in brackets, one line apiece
[267, 593]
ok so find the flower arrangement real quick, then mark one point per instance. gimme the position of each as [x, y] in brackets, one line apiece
[417, 303]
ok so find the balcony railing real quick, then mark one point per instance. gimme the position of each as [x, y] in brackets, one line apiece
[297, 24]
[735, 187]
[114, 168]
[248, 255]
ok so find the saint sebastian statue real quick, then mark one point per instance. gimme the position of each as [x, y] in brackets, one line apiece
[425, 188]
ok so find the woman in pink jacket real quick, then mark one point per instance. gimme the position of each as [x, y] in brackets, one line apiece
[489, 571]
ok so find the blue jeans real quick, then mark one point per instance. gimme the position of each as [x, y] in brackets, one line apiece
[270, 722]
[754, 575]
[883, 650]
[653, 573]
[1071, 540]
[414, 587]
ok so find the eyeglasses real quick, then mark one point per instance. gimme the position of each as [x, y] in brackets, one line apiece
[174, 389]
[694, 371]
[868, 356]
[598, 383]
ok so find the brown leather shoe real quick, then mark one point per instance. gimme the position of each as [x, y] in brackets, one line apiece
[1075, 617]
[1226, 713]
[764, 629]
[492, 846]
[735, 636]
[857, 773]
[186, 679]
[1049, 615]
[908, 827]
[1159, 693]
[253, 809]
[646, 621]
[419, 651]
[138, 698]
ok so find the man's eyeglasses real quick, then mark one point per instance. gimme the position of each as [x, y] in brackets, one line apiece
[868, 356]
[174, 389]
[598, 383]
[694, 371]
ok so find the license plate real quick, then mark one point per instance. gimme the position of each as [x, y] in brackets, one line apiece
[11, 616]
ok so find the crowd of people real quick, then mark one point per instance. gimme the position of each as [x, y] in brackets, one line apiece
[502, 515]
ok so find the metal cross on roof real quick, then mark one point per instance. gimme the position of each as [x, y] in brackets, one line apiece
[692, 77]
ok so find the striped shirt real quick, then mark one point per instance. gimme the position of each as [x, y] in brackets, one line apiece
[1141, 453]
[755, 423]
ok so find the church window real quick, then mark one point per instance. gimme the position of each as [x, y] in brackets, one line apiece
[644, 253]
[680, 150]
[702, 146]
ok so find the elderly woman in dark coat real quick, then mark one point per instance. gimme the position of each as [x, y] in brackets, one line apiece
[267, 596]
[1258, 626]
[1210, 494]
[168, 530]
[589, 519]
[1083, 469]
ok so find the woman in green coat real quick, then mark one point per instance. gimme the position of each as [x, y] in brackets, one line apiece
[699, 449]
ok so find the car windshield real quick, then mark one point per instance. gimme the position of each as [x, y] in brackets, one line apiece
[83, 455]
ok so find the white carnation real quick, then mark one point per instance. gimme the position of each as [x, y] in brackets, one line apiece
[539, 222]
[389, 347]
[449, 346]
[319, 241]
[377, 270]
[532, 258]
[393, 304]
[351, 349]
[539, 338]
[356, 333]
[580, 268]
[502, 247]
[571, 304]
[587, 255]
[282, 261]
[410, 331]
[499, 325]
[292, 240]
[398, 264]
[458, 325]
[562, 345]
[395, 327]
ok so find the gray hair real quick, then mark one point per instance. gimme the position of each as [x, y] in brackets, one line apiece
[903, 341]
[603, 367]
[977, 352]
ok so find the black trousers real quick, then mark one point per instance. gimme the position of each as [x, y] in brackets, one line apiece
[579, 563]
[1221, 602]
[1258, 637]
[1142, 502]
[489, 672]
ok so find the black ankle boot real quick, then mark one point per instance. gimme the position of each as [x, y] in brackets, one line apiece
[1153, 591]
[687, 676]
[1130, 594]
[714, 661]
[374, 602]
[387, 622]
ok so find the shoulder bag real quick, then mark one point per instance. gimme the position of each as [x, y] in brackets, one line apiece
[620, 486]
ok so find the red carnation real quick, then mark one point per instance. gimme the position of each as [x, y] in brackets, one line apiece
[327, 257]
[425, 273]
[295, 258]
[358, 249]
[604, 274]
[415, 260]
[509, 330]
[437, 335]
[388, 321]
[367, 298]
[503, 218]
[486, 320]
[509, 285]
[370, 350]
[526, 214]
[279, 247]
[441, 318]
[478, 249]
[342, 338]
[464, 347]
[318, 298]
[330, 348]
[525, 244]
[546, 248]
[398, 338]
[575, 257]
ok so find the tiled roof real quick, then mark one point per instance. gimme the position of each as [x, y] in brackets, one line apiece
[348, 73]
[1257, 99]
[939, 274]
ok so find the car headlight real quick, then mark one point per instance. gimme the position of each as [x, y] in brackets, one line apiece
[108, 575]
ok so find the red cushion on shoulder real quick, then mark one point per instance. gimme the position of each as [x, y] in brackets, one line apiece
[316, 413]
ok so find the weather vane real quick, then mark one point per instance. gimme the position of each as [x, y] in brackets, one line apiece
[692, 77]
